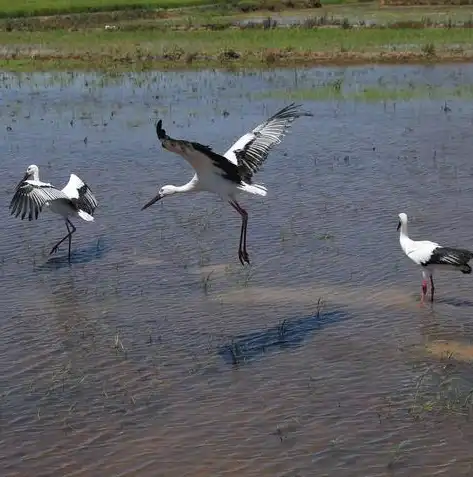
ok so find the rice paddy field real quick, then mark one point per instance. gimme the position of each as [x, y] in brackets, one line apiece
[155, 353]
[93, 37]
[29, 8]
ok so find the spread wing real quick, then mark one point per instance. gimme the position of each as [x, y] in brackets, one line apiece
[202, 158]
[80, 194]
[252, 149]
[30, 197]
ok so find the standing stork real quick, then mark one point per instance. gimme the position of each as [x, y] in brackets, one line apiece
[230, 174]
[75, 200]
[431, 256]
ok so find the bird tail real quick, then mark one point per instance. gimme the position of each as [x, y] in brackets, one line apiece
[85, 216]
[255, 189]
[465, 268]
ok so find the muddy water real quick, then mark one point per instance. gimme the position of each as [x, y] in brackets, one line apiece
[157, 354]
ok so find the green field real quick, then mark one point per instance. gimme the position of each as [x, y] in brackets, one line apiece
[101, 49]
[246, 41]
[190, 38]
[50, 7]
[250, 40]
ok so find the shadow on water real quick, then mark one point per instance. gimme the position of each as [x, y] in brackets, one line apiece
[94, 251]
[289, 334]
[458, 302]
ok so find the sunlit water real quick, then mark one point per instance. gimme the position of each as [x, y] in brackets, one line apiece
[157, 354]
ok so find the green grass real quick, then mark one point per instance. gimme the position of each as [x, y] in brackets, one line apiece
[335, 91]
[253, 47]
[372, 11]
[145, 14]
[27, 8]
[251, 40]
[22, 8]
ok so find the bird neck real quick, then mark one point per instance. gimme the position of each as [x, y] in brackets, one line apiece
[403, 237]
[191, 186]
[403, 230]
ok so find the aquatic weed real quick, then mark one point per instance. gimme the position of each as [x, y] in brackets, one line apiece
[428, 49]
[206, 284]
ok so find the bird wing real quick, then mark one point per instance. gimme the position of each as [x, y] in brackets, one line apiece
[80, 194]
[30, 197]
[252, 149]
[202, 158]
[449, 256]
[421, 251]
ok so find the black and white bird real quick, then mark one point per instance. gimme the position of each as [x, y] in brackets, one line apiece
[431, 256]
[75, 200]
[229, 174]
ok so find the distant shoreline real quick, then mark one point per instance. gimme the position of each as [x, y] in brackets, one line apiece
[190, 39]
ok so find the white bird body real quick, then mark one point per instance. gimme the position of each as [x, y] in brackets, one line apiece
[230, 174]
[418, 251]
[74, 200]
[64, 209]
[431, 256]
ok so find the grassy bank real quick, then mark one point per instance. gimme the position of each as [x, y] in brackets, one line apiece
[101, 49]
[25, 8]
[189, 38]
[28, 8]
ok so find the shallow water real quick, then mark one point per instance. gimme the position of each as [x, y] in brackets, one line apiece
[156, 353]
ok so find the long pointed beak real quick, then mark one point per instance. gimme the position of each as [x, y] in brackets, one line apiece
[152, 201]
[398, 225]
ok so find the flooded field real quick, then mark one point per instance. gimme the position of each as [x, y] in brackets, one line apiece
[157, 354]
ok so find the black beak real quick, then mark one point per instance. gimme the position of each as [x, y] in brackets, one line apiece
[398, 225]
[152, 201]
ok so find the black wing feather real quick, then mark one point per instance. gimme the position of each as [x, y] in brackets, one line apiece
[86, 201]
[456, 257]
[230, 171]
[160, 131]
[29, 199]
[253, 153]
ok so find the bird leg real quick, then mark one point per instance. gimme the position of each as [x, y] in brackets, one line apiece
[424, 291]
[432, 289]
[68, 236]
[242, 253]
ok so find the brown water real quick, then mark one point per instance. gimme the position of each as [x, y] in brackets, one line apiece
[157, 354]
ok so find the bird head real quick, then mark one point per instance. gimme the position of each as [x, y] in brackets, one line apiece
[163, 192]
[402, 220]
[31, 173]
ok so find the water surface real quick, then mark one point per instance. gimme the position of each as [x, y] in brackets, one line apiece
[156, 353]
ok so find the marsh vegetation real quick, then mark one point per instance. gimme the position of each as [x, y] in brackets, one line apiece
[226, 35]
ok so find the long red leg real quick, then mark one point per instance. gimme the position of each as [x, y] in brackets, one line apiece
[424, 291]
